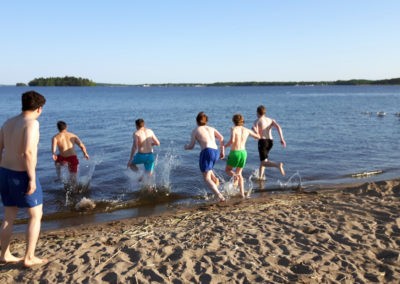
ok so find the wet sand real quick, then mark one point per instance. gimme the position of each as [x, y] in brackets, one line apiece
[340, 235]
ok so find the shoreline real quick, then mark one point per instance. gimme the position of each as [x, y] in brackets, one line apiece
[338, 234]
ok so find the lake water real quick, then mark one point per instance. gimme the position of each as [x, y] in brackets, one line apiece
[331, 132]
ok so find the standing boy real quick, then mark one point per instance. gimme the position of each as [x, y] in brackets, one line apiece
[238, 154]
[263, 126]
[19, 184]
[143, 141]
[65, 141]
[205, 136]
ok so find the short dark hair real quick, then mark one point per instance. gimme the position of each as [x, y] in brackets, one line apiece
[61, 125]
[139, 123]
[261, 110]
[32, 100]
[201, 118]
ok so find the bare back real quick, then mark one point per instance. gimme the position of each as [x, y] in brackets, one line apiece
[205, 135]
[65, 142]
[145, 139]
[264, 126]
[18, 135]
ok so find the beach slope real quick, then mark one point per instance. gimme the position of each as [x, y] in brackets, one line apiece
[341, 235]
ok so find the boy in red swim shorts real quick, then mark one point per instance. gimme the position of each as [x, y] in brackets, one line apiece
[65, 141]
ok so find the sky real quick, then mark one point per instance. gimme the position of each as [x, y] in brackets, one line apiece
[177, 41]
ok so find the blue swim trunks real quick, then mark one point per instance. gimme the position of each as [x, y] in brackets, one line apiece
[144, 158]
[13, 187]
[208, 158]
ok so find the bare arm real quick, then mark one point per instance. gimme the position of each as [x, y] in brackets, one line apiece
[279, 129]
[156, 142]
[82, 146]
[253, 134]
[31, 140]
[230, 139]
[54, 148]
[220, 138]
[135, 146]
[192, 142]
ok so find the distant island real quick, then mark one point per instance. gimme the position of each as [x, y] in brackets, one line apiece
[77, 81]
[61, 81]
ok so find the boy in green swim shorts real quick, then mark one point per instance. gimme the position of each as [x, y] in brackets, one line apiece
[238, 155]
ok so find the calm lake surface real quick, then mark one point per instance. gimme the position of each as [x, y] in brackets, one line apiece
[332, 132]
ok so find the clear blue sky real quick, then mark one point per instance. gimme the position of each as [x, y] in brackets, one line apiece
[171, 41]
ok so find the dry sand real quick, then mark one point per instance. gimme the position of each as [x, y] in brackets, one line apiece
[348, 235]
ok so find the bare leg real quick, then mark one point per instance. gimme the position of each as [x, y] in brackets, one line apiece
[133, 167]
[214, 178]
[10, 213]
[212, 185]
[32, 236]
[270, 164]
[261, 171]
[240, 180]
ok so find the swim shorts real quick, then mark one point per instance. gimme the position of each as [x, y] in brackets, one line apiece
[144, 158]
[237, 158]
[208, 158]
[13, 187]
[72, 162]
[264, 146]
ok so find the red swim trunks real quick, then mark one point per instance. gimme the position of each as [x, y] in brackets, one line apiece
[72, 162]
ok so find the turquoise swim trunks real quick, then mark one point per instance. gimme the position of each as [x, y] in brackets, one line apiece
[237, 158]
[144, 158]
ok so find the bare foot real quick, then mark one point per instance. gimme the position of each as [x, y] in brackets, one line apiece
[11, 259]
[281, 169]
[34, 261]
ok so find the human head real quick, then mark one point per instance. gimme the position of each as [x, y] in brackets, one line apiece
[201, 119]
[139, 123]
[32, 100]
[261, 110]
[238, 119]
[61, 125]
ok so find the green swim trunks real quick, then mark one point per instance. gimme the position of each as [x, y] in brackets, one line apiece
[237, 158]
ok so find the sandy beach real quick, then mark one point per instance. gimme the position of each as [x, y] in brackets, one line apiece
[338, 235]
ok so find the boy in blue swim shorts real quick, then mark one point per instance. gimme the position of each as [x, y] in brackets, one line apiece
[142, 148]
[238, 155]
[19, 185]
[205, 136]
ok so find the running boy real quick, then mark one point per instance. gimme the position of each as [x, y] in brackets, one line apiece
[65, 142]
[263, 126]
[238, 154]
[143, 141]
[205, 136]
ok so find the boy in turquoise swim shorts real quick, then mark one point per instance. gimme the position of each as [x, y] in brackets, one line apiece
[142, 148]
[238, 154]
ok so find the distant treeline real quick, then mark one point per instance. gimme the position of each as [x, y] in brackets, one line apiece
[74, 81]
[61, 81]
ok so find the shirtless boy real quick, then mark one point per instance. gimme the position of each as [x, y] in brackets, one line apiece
[205, 136]
[143, 141]
[65, 141]
[19, 184]
[263, 126]
[238, 154]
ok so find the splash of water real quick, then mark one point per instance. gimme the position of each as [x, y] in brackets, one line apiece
[294, 182]
[229, 188]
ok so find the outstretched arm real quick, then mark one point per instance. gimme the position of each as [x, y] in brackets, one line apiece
[278, 127]
[253, 134]
[192, 142]
[156, 142]
[229, 143]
